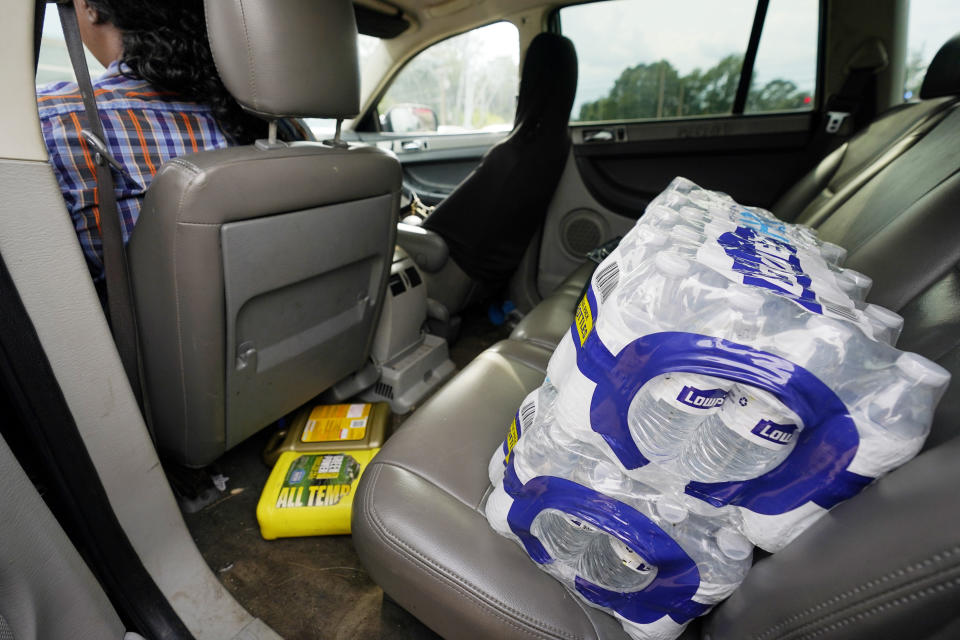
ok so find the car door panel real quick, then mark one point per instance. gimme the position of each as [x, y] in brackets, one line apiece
[576, 221]
[753, 158]
[615, 170]
[433, 165]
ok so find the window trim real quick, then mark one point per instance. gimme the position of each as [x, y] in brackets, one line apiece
[555, 25]
[750, 58]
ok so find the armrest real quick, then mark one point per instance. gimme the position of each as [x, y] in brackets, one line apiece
[427, 248]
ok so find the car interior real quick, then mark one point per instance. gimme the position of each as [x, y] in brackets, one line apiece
[426, 246]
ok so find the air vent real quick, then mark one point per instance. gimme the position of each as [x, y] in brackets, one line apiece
[396, 284]
[383, 390]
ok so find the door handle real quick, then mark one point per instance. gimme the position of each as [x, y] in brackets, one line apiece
[605, 135]
[411, 145]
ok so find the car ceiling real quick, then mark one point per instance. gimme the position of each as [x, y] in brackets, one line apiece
[424, 10]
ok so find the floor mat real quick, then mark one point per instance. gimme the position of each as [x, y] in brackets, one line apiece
[306, 588]
[303, 588]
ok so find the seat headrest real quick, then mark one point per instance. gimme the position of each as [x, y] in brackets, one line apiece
[548, 83]
[943, 74]
[287, 58]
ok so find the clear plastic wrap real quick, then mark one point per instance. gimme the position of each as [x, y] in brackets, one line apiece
[723, 384]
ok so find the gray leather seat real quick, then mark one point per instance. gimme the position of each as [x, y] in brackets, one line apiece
[259, 271]
[883, 565]
[838, 176]
[550, 319]
[475, 238]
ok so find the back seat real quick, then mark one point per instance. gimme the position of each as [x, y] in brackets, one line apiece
[886, 564]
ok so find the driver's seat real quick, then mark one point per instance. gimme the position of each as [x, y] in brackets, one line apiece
[487, 222]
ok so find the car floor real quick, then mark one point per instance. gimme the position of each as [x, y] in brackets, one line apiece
[314, 587]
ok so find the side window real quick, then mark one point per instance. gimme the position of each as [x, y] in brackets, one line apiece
[930, 24]
[465, 84]
[647, 59]
[54, 64]
[785, 72]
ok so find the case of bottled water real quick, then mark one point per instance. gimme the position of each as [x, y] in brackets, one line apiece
[723, 385]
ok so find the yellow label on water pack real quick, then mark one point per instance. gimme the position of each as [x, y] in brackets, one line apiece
[336, 422]
[512, 438]
[584, 320]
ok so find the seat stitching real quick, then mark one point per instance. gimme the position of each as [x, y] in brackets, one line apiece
[176, 297]
[922, 593]
[189, 166]
[251, 70]
[869, 584]
[467, 587]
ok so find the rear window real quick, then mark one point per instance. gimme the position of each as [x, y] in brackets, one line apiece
[930, 24]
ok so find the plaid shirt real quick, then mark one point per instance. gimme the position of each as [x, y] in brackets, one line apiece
[143, 127]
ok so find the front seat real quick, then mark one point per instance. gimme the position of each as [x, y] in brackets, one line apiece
[259, 271]
[487, 222]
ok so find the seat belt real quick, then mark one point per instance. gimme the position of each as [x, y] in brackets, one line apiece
[850, 101]
[119, 293]
[853, 107]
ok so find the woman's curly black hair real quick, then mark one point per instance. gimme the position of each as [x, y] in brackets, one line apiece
[165, 43]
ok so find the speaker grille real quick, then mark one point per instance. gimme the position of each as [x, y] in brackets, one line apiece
[582, 235]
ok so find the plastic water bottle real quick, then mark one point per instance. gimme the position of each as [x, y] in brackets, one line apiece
[564, 536]
[738, 317]
[659, 217]
[668, 408]
[723, 555]
[537, 404]
[752, 434]
[686, 241]
[832, 253]
[853, 283]
[609, 563]
[832, 350]
[562, 362]
[900, 399]
[893, 423]
[637, 247]
[545, 453]
[662, 292]
[887, 324]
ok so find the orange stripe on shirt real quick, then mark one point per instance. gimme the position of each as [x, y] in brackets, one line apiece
[93, 171]
[193, 138]
[149, 94]
[98, 92]
[143, 142]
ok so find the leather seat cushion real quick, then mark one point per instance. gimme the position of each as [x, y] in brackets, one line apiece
[418, 519]
[547, 322]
